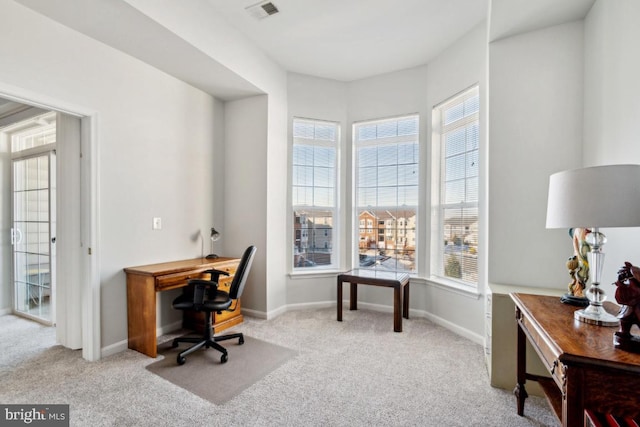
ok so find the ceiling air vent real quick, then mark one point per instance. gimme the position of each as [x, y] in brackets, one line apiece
[262, 10]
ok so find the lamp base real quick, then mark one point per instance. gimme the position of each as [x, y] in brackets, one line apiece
[573, 300]
[212, 256]
[596, 315]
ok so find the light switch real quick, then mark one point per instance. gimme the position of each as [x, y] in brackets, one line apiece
[157, 223]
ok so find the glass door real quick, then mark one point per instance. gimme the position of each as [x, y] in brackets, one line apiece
[33, 236]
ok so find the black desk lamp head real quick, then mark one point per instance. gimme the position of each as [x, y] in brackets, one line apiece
[215, 235]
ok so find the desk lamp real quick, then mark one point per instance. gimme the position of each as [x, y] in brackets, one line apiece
[594, 197]
[215, 236]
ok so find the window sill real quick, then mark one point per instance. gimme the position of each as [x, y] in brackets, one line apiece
[313, 273]
[449, 285]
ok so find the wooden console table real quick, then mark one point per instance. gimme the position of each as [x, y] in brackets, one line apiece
[144, 281]
[390, 279]
[586, 371]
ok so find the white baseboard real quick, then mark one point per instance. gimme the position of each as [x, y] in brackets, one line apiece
[169, 328]
[472, 336]
[114, 348]
[465, 333]
[5, 311]
[123, 345]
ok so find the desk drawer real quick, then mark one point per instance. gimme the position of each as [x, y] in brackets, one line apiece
[548, 357]
[176, 280]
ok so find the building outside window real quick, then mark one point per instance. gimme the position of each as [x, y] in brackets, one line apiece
[457, 136]
[386, 192]
[314, 193]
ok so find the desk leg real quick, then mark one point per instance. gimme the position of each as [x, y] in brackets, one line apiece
[141, 315]
[353, 301]
[397, 317]
[339, 300]
[405, 301]
[521, 370]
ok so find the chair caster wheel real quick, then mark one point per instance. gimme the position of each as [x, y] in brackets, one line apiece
[181, 360]
[241, 341]
[224, 358]
[174, 344]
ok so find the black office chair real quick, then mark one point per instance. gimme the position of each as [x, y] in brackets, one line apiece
[208, 298]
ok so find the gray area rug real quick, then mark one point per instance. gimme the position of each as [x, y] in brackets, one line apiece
[205, 376]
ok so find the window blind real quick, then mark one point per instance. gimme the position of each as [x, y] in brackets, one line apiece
[386, 192]
[459, 172]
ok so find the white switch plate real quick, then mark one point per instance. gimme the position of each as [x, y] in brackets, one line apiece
[157, 223]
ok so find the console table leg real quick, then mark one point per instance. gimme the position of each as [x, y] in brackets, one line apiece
[339, 298]
[521, 365]
[397, 315]
[405, 302]
[353, 302]
[521, 395]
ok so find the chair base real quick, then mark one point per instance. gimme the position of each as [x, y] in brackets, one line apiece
[208, 341]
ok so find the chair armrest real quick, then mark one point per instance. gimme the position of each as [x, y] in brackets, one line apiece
[200, 290]
[215, 274]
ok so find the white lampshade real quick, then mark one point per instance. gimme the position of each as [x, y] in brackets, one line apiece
[600, 196]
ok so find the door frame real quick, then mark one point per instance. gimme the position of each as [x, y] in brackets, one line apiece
[88, 318]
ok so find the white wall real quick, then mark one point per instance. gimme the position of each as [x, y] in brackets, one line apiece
[156, 140]
[205, 29]
[245, 219]
[316, 98]
[612, 109]
[535, 124]
[461, 66]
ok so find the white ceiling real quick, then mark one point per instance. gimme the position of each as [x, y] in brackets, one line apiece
[353, 39]
[338, 39]
[511, 17]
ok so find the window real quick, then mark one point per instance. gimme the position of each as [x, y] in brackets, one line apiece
[386, 192]
[314, 192]
[457, 136]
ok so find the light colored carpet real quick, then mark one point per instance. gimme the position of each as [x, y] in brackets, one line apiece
[352, 373]
[204, 375]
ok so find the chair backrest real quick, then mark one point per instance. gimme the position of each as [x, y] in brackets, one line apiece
[240, 277]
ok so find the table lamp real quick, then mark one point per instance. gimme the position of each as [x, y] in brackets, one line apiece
[215, 236]
[594, 197]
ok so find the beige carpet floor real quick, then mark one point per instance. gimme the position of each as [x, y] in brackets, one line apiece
[352, 373]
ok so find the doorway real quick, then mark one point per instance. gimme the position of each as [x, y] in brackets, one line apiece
[74, 302]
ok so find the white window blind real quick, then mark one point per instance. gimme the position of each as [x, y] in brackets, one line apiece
[457, 216]
[386, 188]
[314, 192]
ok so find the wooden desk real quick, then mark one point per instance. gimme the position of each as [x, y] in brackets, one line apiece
[390, 279]
[586, 371]
[144, 281]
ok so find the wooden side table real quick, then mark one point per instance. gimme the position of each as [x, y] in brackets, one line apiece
[390, 279]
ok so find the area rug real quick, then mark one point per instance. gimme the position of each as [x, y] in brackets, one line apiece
[205, 376]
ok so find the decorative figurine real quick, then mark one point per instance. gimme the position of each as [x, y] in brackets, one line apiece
[628, 295]
[578, 266]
